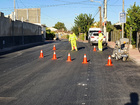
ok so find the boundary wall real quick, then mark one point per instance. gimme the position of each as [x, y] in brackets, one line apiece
[14, 33]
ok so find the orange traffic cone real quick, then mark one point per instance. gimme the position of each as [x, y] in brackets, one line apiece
[69, 58]
[94, 49]
[74, 47]
[41, 54]
[54, 47]
[85, 59]
[109, 61]
[54, 56]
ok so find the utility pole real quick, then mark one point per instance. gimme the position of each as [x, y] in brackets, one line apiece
[100, 9]
[105, 16]
[100, 25]
[123, 23]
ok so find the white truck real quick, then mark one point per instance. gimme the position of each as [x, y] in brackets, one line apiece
[93, 36]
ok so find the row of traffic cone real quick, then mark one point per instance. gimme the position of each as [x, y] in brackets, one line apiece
[54, 55]
[109, 63]
[42, 56]
[69, 57]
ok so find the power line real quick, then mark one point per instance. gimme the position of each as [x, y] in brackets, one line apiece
[17, 4]
[62, 1]
[69, 3]
[96, 14]
[22, 3]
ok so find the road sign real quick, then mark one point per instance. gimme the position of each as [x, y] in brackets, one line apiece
[122, 17]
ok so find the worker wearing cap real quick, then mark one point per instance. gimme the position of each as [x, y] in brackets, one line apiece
[100, 40]
[72, 39]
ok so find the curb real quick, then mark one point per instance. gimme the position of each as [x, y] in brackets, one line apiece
[20, 47]
[134, 60]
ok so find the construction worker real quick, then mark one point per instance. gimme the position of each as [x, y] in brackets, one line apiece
[72, 39]
[100, 40]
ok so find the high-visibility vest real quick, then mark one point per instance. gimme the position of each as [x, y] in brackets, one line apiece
[72, 37]
[100, 36]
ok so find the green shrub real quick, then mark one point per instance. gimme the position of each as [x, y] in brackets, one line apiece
[67, 36]
[50, 36]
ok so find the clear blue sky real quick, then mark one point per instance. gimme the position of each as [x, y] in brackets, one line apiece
[65, 11]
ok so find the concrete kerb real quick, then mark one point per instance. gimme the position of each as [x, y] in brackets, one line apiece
[20, 47]
[134, 56]
[134, 60]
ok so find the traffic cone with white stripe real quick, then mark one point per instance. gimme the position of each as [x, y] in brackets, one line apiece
[94, 49]
[109, 61]
[69, 58]
[54, 56]
[54, 47]
[85, 59]
[41, 54]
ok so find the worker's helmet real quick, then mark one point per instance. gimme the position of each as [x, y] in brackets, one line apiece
[124, 42]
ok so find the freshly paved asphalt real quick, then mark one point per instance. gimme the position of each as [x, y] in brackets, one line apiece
[25, 79]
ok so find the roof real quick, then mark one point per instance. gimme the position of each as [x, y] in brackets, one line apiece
[52, 29]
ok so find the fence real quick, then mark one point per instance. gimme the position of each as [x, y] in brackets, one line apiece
[115, 35]
[14, 33]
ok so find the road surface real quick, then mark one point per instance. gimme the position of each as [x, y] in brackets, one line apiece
[25, 79]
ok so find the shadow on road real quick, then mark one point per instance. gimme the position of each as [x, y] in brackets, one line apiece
[73, 59]
[134, 99]
[46, 56]
[105, 48]
[80, 48]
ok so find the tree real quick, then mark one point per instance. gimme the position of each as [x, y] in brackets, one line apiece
[49, 35]
[60, 26]
[75, 30]
[83, 22]
[133, 20]
[109, 26]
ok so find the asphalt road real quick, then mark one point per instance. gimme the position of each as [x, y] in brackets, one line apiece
[25, 79]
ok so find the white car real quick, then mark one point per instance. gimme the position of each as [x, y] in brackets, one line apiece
[93, 36]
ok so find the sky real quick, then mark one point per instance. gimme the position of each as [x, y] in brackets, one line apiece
[65, 11]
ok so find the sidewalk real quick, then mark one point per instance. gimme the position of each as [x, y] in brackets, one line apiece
[134, 54]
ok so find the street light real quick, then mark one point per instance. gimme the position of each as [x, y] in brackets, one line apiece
[96, 1]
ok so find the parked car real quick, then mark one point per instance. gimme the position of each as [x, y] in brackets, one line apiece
[93, 36]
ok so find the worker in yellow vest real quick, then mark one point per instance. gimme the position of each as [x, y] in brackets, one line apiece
[100, 40]
[72, 39]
